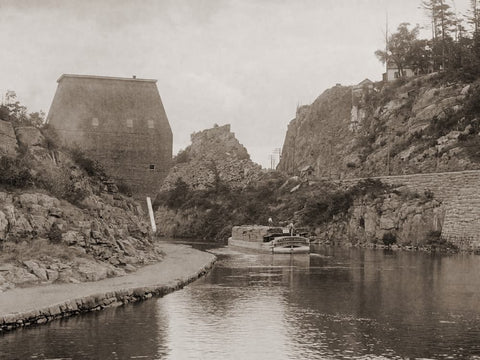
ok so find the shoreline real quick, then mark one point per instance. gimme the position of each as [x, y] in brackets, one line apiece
[21, 307]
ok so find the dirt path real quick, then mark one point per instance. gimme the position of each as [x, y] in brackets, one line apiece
[181, 265]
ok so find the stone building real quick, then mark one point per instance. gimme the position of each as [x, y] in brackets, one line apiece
[121, 122]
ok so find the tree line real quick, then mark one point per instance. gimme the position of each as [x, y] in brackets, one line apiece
[454, 44]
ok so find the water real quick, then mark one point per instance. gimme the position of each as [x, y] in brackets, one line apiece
[333, 304]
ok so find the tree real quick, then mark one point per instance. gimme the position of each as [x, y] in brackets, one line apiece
[444, 24]
[401, 47]
[420, 56]
[11, 110]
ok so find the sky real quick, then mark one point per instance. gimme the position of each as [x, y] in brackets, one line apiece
[247, 63]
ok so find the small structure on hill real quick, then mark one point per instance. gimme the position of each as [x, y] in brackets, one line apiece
[121, 122]
[393, 73]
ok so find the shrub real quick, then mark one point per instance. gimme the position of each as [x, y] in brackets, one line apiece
[182, 157]
[15, 172]
[52, 140]
[177, 196]
[434, 238]
[428, 194]
[92, 167]
[124, 188]
[55, 234]
[389, 239]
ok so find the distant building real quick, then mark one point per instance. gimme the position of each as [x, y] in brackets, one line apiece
[393, 73]
[359, 93]
[361, 88]
[121, 122]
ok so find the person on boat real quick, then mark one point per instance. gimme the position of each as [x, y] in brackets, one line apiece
[291, 228]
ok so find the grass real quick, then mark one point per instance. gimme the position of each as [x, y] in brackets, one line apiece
[37, 249]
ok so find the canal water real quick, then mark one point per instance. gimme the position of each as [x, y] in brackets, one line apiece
[336, 303]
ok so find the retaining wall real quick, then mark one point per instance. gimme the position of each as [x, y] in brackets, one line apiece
[96, 302]
[460, 195]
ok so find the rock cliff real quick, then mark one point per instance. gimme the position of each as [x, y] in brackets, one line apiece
[405, 127]
[214, 154]
[58, 220]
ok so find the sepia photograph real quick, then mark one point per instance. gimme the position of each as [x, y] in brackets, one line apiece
[240, 179]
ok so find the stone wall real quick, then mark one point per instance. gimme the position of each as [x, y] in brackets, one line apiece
[120, 122]
[460, 194]
[96, 302]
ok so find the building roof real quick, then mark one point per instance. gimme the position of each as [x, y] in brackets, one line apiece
[134, 78]
[112, 100]
[365, 82]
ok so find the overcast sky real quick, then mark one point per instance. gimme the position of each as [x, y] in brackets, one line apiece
[243, 62]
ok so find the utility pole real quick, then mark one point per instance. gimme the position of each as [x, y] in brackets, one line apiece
[386, 44]
[278, 153]
[271, 157]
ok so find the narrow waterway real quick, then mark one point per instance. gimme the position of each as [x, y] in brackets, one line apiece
[333, 304]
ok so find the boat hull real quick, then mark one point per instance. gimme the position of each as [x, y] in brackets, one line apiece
[282, 245]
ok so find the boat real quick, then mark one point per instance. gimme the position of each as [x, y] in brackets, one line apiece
[269, 239]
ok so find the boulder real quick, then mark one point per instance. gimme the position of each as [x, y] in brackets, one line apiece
[52, 275]
[91, 271]
[30, 136]
[73, 238]
[8, 139]
[36, 269]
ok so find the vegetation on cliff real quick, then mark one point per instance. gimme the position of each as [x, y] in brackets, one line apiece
[369, 212]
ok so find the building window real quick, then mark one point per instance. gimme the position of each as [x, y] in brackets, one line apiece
[150, 124]
[95, 122]
[129, 123]
[152, 167]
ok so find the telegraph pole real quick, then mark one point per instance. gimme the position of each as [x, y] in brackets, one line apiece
[272, 161]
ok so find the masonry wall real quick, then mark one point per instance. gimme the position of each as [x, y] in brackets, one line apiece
[118, 121]
[460, 194]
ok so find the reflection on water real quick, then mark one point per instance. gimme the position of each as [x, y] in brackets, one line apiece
[336, 303]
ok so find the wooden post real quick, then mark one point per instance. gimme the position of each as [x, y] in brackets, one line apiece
[150, 213]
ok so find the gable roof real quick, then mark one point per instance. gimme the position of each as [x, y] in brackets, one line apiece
[367, 81]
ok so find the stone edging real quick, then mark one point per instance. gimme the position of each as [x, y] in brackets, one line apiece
[96, 302]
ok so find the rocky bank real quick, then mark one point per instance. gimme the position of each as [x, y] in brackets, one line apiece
[60, 222]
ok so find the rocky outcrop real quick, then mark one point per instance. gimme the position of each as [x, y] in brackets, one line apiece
[61, 219]
[29, 136]
[213, 154]
[407, 218]
[399, 128]
[62, 242]
[8, 140]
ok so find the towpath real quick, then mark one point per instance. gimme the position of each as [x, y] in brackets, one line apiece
[181, 265]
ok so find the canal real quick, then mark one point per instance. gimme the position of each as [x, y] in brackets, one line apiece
[335, 303]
